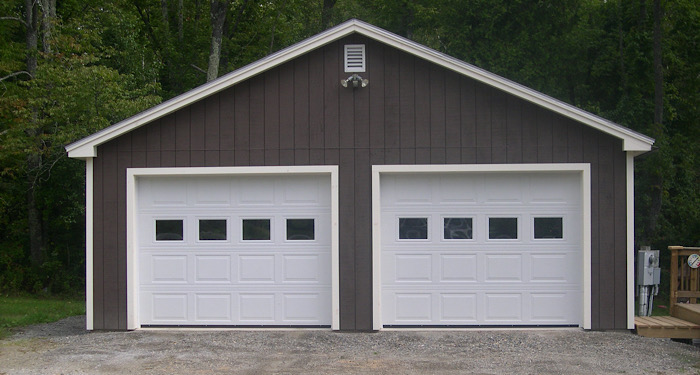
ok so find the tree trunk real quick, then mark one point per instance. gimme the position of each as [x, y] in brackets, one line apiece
[164, 15]
[34, 223]
[327, 13]
[180, 20]
[218, 17]
[32, 37]
[48, 16]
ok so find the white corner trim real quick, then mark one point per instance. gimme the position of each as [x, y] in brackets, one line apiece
[335, 250]
[630, 240]
[379, 170]
[86, 147]
[587, 277]
[89, 245]
[376, 250]
[132, 176]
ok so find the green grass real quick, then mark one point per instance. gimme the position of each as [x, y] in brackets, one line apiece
[24, 311]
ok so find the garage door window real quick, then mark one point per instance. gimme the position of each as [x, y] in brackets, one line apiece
[457, 228]
[413, 228]
[503, 228]
[256, 229]
[300, 229]
[212, 230]
[548, 228]
[169, 230]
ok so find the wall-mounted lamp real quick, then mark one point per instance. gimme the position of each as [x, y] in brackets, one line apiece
[354, 81]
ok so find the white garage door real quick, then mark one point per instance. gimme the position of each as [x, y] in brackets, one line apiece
[244, 250]
[488, 249]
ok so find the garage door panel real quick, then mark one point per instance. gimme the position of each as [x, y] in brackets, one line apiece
[212, 269]
[413, 307]
[458, 268]
[501, 189]
[169, 307]
[503, 307]
[458, 308]
[479, 280]
[211, 192]
[301, 268]
[254, 192]
[455, 191]
[256, 308]
[302, 307]
[232, 281]
[256, 268]
[503, 268]
[213, 307]
[413, 267]
[554, 307]
[168, 269]
[552, 267]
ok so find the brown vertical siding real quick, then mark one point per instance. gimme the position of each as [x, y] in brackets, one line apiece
[412, 112]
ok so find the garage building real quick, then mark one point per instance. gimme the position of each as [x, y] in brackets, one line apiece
[358, 180]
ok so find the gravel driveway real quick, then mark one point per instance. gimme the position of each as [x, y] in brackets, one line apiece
[65, 348]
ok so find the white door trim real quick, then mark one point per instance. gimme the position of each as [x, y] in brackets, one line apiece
[132, 174]
[379, 170]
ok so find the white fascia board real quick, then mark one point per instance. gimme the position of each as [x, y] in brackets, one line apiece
[86, 147]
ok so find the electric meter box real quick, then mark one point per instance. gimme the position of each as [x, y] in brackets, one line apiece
[648, 271]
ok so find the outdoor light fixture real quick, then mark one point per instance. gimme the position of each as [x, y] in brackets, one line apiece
[354, 81]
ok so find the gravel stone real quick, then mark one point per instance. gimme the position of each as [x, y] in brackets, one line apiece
[66, 348]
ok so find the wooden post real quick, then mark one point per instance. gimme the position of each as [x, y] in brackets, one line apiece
[674, 279]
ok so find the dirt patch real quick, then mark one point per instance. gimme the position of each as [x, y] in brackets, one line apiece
[66, 348]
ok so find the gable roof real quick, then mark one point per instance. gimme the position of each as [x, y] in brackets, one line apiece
[87, 147]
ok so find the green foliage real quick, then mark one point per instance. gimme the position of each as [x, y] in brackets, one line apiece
[113, 58]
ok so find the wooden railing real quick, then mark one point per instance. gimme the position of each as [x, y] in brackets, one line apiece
[685, 281]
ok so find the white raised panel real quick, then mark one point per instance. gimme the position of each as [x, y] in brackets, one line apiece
[257, 307]
[213, 307]
[503, 307]
[502, 189]
[411, 190]
[169, 268]
[555, 189]
[212, 268]
[413, 306]
[413, 267]
[503, 267]
[301, 267]
[169, 307]
[256, 268]
[457, 268]
[255, 191]
[551, 307]
[549, 267]
[212, 192]
[301, 306]
[458, 307]
[168, 193]
[457, 189]
[300, 191]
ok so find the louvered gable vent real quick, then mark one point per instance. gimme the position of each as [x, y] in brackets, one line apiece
[354, 58]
